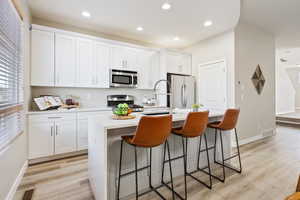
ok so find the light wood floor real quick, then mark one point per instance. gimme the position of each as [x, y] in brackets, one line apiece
[270, 171]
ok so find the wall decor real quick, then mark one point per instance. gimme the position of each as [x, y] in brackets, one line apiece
[258, 79]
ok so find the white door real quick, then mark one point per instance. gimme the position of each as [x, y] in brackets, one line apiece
[65, 135]
[212, 85]
[85, 73]
[42, 58]
[65, 60]
[41, 138]
[101, 65]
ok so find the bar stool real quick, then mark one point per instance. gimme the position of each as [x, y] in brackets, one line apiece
[151, 132]
[228, 123]
[194, 126]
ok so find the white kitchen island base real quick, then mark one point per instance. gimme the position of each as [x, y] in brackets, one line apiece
[104, 151]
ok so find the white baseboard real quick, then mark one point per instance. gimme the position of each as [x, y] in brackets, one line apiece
[264, 134]
[17, 182]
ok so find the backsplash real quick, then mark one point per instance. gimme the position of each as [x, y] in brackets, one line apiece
[91, 97]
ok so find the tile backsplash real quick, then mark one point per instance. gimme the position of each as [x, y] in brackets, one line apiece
[91, 97]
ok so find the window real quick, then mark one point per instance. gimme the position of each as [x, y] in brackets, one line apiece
[11, 73]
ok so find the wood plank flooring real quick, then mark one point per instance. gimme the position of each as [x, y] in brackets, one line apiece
[270, 171]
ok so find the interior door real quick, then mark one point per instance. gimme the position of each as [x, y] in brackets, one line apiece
[65, 136]
[65, 60]
[213, 86]
[85, 73]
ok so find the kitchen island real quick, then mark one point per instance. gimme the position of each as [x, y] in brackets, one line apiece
[104, 151]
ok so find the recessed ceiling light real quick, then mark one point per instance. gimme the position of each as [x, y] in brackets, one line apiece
[139, 28]
[176, 38]
[86, 14]
[166, 6]
[298, 65]
[207, 23]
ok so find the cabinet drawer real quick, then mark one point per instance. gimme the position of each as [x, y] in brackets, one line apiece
[56, 116]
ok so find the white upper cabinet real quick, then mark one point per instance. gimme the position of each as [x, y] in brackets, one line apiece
[42, 58]
[149, 69]
[85, 69]
[124, 58]
[65, 60]
[178, 63]
[101, 65]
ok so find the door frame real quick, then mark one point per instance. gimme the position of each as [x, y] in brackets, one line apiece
[204, 65]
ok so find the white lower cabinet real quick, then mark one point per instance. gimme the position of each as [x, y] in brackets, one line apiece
[52, 134]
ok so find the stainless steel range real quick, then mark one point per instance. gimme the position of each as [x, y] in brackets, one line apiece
[114, 100]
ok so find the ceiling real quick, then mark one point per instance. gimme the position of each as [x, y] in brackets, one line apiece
[280, 17]
[122, 17]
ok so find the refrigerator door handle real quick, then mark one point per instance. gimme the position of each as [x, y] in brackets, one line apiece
[184, 96]
[182, 91]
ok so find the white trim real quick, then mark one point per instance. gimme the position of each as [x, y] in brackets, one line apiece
[17, 182]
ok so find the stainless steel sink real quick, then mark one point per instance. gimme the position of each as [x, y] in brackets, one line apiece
[157, 113]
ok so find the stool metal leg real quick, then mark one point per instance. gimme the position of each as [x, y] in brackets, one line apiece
[120, 168]
[136, 175]
[184, 148]
[238, 150]
[215, 149]
[171, 174]
[223, 159]
[208, 162]
[150, 171]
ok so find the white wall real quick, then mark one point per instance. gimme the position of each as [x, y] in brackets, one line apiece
[216, 48]
[253, 46]
[13, 158]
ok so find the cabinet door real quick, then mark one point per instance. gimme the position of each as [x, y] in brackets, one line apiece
[186, 62]
[41, 138]
[85, 73]
[101, 65]
[42, 58]
[130, 58]
[148, 69]
[178, 63]
[117, 57]
[65, 60]
[65, 136]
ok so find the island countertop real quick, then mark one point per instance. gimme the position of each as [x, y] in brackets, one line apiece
[108, 123]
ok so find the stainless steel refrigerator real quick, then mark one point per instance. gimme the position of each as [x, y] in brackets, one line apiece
[182, 89]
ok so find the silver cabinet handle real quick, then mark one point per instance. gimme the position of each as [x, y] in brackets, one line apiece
[56, 130]
[54, 117]
[51, 131]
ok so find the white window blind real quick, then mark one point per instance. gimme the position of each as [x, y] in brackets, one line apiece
[11, 73]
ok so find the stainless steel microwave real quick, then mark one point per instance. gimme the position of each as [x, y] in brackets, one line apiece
[123, 78]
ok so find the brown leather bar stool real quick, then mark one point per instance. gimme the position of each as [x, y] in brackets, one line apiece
[194, 126]
[151, 132]
[228, 123]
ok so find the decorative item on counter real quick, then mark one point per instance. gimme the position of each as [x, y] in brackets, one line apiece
[196, 107]
[46, 102]
[122, 112]
[149, 101]
[71, 102]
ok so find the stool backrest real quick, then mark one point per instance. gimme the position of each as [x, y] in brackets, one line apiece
[153, 131]
[230, 119]
[195, 124]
